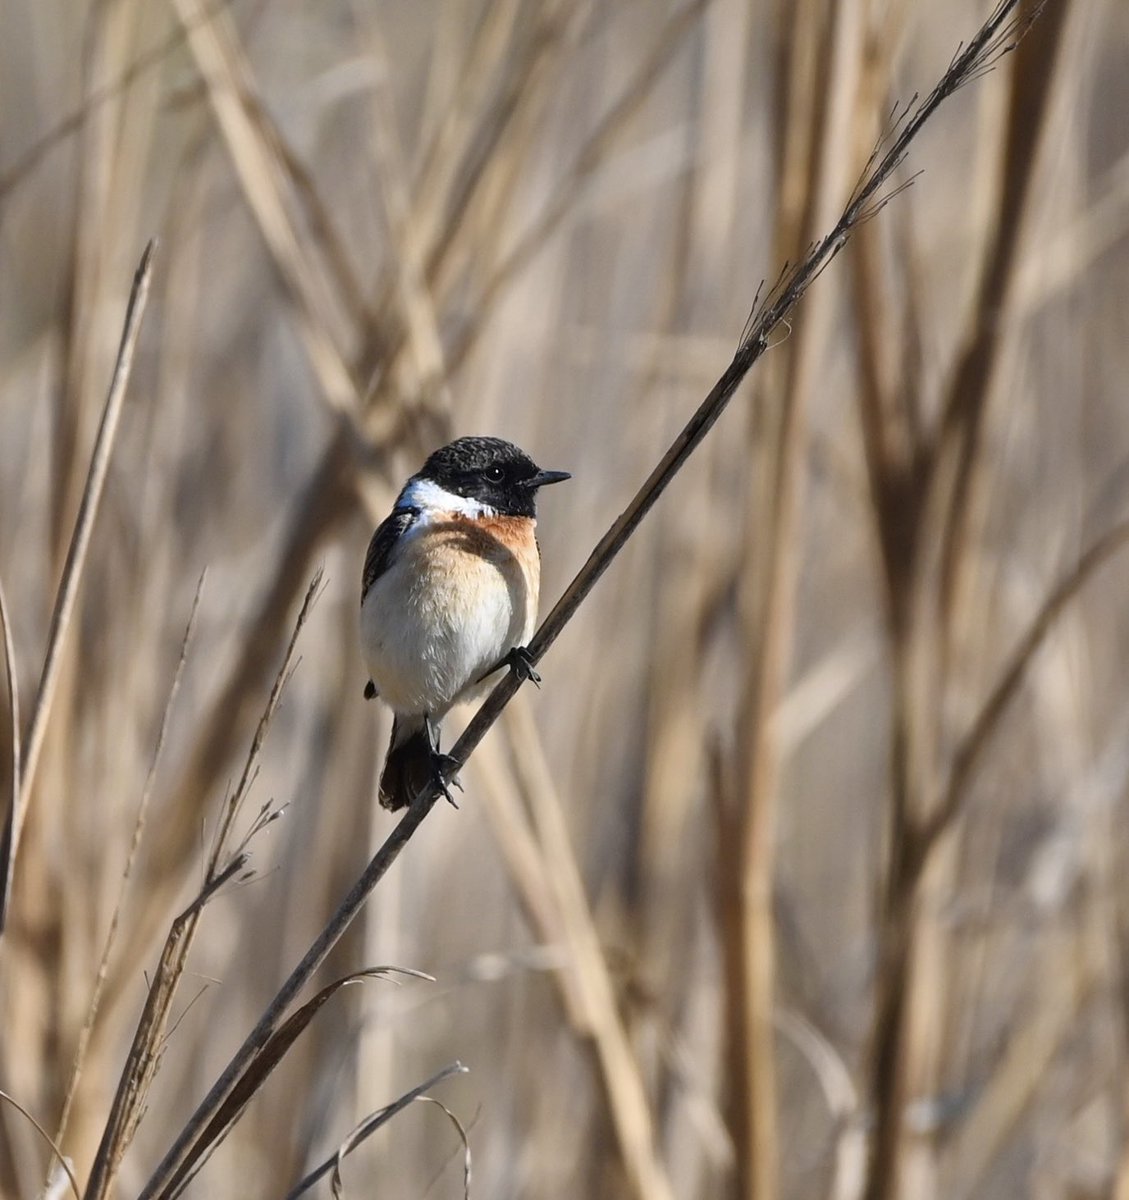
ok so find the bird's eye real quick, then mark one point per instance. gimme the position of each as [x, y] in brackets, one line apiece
[495, 474]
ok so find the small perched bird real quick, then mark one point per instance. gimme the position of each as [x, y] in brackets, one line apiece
[449, 596]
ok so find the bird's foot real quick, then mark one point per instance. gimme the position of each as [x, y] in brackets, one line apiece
[444, 777]
[443, 766]
[520, 661]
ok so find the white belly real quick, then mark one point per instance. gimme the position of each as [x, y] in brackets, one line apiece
[440, 617]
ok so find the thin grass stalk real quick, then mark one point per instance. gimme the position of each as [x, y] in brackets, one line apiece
[1058, 1000]
[72, 573]
[127, 871]
[674, 716]
[766, 618]
[528, 871]
[224, 863]
[319, 506]
[238, 797]
[887, 400]
[274, 1052]
[103, 144]
[144, 1054]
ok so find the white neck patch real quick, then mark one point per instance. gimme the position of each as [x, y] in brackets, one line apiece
[431, 500]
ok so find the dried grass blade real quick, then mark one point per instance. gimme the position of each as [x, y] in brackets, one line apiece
[47, 1138]
[260, 1068]
[250, 767]
[372, 1123]
[461, 1131]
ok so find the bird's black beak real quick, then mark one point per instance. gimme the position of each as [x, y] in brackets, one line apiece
[544, 478]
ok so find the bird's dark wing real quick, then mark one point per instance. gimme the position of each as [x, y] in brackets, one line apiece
[387, 534]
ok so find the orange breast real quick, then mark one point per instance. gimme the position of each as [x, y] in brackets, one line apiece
[487, 547]
[458, 595]
[466, 556]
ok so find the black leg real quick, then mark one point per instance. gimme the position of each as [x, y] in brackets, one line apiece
[443, 766]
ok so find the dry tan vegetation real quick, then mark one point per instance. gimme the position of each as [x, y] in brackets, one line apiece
[802, 875]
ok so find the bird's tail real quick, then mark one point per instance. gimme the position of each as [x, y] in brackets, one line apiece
[408, 768]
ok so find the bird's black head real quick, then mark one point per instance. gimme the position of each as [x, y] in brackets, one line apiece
[492, 471]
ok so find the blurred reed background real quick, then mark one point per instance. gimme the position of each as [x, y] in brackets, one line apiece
[804, 874]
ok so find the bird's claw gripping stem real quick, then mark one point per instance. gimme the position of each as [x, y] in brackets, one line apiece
[443, 766]
[520, 661]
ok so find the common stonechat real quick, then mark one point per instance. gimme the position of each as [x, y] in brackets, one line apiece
[449, 596]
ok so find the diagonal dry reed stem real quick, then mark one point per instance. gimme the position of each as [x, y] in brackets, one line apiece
[995, 38]
[72, 572]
